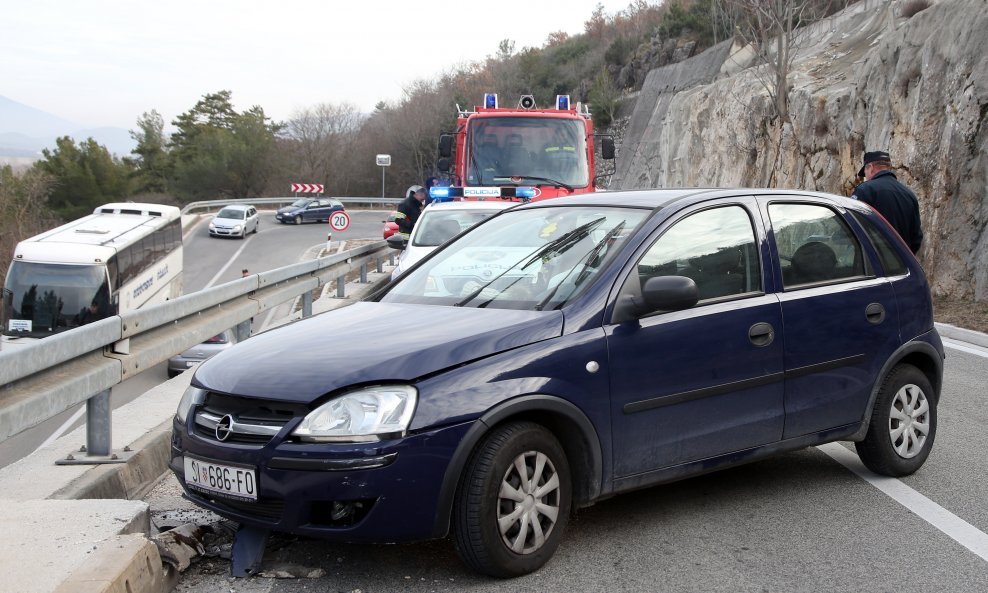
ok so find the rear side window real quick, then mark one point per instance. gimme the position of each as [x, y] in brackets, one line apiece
[716, 248]
[814, 244]
[891, 261]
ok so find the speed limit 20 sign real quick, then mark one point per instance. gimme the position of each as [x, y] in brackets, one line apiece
[339, 221]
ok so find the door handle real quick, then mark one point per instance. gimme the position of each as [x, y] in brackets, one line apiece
[875, 313]
[761, 334]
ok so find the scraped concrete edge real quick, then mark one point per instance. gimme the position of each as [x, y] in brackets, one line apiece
[964, 335]
[121, 564]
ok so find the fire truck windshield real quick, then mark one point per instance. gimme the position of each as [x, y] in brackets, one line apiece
[527, 150]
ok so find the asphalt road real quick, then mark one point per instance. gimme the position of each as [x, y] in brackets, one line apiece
[796, 522]
[208, 262]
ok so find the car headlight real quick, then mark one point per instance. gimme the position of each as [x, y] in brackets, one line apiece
[236, 228]
[369, 414]
[193, 396]
[212, 225]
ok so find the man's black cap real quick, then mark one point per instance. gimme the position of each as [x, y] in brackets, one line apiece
[877, 156]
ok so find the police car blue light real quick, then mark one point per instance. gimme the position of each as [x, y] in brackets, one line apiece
[439, 193]
[524, 192]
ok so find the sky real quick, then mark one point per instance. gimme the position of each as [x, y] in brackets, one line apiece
[105, 62]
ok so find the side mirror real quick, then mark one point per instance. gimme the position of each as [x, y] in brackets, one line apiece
[607, 147]
[443, 165]
[445, 145]
[662, 293]
[396, 241]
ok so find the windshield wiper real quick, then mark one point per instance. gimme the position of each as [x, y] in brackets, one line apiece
[588, 259]
[554, 182]
[559, 245]
[476, 167]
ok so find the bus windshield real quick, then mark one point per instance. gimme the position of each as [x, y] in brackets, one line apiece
[528, 150]
[41, 299]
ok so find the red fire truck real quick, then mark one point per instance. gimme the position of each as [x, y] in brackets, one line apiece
[521, 152]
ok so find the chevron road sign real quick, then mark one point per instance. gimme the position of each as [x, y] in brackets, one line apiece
[307, 188]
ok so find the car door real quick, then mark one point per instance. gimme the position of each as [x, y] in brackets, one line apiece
[253, 218]
[705, 381]
[841, 321]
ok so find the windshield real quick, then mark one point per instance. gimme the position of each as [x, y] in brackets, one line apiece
[435, 227]
[232, 213]
[43, 299]
[528, 150]
[533, 259]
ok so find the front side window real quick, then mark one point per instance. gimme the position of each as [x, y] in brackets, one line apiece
[532, 259]
[43, 299]
[528, 151]
[814, 245]
[716, 248]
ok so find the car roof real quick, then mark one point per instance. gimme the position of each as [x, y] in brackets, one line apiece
[235, 207]
[660, 198]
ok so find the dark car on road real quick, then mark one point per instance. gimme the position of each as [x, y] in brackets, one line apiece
[309, 210]
[565, 351]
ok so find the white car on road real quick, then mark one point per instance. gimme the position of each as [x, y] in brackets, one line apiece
[438, 223]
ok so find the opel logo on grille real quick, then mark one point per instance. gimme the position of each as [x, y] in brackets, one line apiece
[224, 428]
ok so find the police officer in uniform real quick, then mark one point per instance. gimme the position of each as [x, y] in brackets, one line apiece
[893, 200]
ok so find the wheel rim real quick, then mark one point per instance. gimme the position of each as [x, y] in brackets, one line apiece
[528, 502]
[909, 421]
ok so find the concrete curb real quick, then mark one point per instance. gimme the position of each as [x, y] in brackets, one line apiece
[964, 335]
[121, 564]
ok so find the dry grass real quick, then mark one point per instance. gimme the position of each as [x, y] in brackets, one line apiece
[967, 314]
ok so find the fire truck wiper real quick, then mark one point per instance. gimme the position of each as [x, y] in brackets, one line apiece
[554, 182]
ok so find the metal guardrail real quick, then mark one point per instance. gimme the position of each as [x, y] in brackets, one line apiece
[209, 205]
[40, 380]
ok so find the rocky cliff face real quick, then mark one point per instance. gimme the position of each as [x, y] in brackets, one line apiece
[867, 78]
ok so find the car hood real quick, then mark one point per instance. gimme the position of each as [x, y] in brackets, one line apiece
[227, 222]
[369, 343]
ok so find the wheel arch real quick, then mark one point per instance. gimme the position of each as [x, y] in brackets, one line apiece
[919, 354]
[568, 424]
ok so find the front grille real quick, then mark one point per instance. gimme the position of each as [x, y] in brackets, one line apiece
[269, 508]
[242, 420]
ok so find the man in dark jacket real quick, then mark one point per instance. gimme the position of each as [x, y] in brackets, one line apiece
[409, 210]
[893, 200]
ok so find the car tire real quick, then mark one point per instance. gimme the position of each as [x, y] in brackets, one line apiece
[298, 219]
[257, 227]
[492, 532]
[172, 374]
[903, 424]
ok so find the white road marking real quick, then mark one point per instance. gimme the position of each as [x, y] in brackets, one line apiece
[950, 524]
[965, 347]
[63, 428]
[228, 262]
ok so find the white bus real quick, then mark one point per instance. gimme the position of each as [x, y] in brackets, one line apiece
[120, 258]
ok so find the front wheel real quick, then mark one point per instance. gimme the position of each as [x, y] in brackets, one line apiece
[298, 219]
[903, 424]
[513, 502]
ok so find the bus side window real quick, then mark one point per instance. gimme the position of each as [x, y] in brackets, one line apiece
[174, 235]
[125, 268]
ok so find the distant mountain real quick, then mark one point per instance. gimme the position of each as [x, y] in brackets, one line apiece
[25, 131]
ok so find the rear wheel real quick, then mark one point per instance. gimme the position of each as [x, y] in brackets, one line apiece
[513, 502]
[903, 424]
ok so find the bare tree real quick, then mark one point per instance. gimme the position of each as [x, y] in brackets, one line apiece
[24, 203]
[319, 138]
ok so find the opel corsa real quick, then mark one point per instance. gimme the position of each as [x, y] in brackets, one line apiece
[562, 352]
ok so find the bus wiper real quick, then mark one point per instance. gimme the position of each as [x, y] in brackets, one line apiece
[554, 182]
[559, 245]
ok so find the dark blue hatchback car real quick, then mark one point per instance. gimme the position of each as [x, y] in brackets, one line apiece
[565, 351]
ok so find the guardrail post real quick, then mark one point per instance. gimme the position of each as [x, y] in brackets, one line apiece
[363, 273]
[380, 265]
[340, 287]
[98, 424]
[391, 259]
[307, 304]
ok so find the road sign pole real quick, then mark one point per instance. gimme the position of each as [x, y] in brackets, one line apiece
[382, 181]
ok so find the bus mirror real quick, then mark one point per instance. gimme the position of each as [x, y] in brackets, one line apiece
[607, 147]
[443, 165]
[445, 145]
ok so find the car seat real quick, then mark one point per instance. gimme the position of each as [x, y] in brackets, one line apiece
[813, 262]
